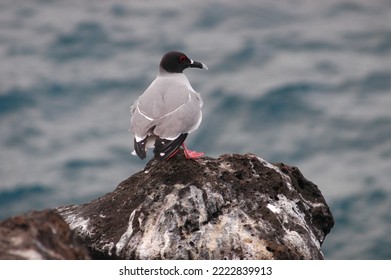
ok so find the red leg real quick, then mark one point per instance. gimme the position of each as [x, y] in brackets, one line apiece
[173, 154]
[191, 154]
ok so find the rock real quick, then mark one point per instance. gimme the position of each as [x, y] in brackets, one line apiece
[40, 235]
[232, 207]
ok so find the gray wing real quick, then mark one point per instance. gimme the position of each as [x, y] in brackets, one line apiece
[166, 110]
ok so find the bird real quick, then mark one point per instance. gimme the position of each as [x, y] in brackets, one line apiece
[168, 110]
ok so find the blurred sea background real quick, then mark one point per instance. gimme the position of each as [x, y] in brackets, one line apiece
[303, 82]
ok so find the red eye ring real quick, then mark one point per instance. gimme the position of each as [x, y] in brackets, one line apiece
[182, 58]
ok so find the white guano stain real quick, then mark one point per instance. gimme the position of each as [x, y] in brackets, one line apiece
[79, 223]
[126, 235]
[154, 227]
[287, 211]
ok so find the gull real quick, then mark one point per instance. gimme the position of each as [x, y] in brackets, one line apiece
[168, 110]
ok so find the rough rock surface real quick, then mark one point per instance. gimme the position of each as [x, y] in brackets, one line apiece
[40, 235]
[232, 207]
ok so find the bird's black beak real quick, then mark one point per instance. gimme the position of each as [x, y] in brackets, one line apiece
[196, 64]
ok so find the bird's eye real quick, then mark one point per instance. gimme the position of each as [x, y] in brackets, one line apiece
[182, 58]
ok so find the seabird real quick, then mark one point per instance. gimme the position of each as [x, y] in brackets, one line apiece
[168, 110]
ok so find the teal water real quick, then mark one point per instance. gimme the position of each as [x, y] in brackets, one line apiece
[307, 83]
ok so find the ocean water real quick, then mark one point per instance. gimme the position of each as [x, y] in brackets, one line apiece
[303, 82]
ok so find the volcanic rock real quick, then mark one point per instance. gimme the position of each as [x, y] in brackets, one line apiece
[39, 235]
[232, 207]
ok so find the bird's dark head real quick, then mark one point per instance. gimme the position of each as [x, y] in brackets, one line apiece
[176, 62]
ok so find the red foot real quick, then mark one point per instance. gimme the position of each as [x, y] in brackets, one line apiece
[191, 154]
[188, 154]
